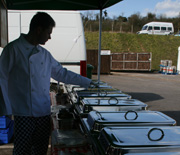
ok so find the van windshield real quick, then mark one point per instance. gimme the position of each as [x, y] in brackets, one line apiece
[144, 27]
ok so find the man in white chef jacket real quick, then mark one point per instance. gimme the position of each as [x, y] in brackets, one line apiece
[25, 72]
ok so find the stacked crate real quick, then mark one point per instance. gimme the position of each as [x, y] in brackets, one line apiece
[6, 129]
[167, 68]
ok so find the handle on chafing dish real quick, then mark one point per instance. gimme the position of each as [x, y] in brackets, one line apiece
[129, 112]
[57, 116]
[98, 113]
[75, 87]
[101, 92]
[150, 131]
[94, 84]
[113, 98]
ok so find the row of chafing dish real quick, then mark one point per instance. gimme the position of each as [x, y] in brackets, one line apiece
[116, 124]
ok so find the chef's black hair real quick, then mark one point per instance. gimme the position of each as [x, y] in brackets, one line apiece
[41, 19]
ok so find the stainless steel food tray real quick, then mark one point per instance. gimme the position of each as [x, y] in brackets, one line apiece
[111, 105]
[124, 140]
[98, 120]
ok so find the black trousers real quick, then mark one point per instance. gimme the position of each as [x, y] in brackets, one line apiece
[31, 135]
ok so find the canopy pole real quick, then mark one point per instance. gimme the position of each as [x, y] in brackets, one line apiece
[99, 49]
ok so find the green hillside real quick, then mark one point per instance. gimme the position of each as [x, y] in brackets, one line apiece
[161, 47]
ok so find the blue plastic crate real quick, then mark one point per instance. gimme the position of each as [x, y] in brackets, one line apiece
[4, 122]
[6, 134]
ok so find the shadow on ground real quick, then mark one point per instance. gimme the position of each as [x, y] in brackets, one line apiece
[173, 114]
[145, 97]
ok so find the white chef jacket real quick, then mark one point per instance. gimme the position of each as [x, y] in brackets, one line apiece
[25, 72]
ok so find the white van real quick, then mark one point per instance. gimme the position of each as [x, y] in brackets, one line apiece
[67, 43]
[157, 28]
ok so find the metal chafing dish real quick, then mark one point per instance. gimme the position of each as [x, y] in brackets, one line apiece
[99, 92]
[101, 85]
[98, 120]
[112, 104]
[76, 92]
[134, 140]
[99, 82]
[95, 90]
[104, 95]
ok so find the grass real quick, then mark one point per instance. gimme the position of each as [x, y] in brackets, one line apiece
[161, 47]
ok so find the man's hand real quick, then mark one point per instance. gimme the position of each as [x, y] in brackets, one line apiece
[94, 85]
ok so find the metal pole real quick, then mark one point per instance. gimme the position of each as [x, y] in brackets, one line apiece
[99, 50]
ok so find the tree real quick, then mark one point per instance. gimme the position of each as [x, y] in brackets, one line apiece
[151, 16]
[121, 19]
[121, 24]
[135, 22]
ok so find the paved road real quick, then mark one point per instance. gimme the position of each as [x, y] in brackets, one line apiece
[161, 92]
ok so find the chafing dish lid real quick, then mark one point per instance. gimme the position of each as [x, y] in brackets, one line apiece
[112, 101]
[153, 117]
[142, 136]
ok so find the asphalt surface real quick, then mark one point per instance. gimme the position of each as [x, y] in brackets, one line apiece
[160, 92]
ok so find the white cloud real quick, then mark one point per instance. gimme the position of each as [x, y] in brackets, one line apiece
[170, 8]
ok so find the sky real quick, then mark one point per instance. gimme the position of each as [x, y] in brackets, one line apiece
[169, 8]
